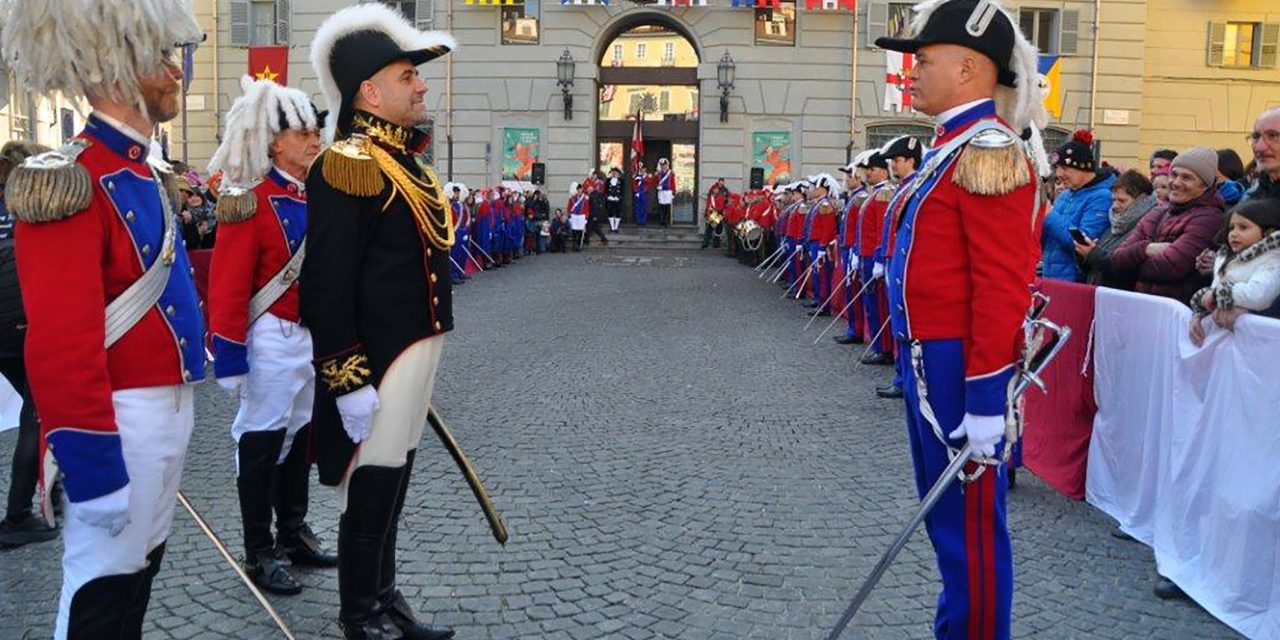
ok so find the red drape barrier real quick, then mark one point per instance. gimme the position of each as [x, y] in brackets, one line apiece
[1058, 425]
[200, 260]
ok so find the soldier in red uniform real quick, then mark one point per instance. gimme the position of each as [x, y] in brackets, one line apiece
[847, 239]
[903, 154]
[796, 217]
[958, 290]
[823, 223]
[96, 226]
[377, 295]
[713, 226]
[262, 355]
[870, 226]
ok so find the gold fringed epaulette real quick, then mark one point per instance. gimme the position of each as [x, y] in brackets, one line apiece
[173, 184]
[349, 168]
[235, 204]
[884, 195]
[993, 163]
[50, 186]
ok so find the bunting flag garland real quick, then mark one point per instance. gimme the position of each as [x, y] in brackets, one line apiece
[761, 4]
[831, 5]
[681, 3]
[897, 81]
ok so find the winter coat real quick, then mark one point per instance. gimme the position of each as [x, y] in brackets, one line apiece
[1099, 270]
[1231, 191]
[1249, 280]
[1266, 188]
[1190, 228]
[1087, 209]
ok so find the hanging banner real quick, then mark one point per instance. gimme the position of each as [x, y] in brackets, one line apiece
[270, 63]
[897, 80]
[519, 152]
[772, 150]
[1051, 84]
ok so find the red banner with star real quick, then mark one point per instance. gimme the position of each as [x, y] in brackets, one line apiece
[269, 63]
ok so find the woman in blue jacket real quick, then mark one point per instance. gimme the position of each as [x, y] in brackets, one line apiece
[1084, 204]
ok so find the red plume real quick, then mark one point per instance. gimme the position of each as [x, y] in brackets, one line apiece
[1084, 137]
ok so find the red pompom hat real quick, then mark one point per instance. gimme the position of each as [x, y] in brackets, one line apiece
[1077, 153]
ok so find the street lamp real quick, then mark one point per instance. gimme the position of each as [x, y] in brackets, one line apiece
[725, 71]
[564, 78]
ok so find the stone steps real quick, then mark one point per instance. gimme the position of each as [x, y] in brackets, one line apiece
[679, 238]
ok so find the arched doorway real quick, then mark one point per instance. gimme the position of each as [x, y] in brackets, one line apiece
[649, 69]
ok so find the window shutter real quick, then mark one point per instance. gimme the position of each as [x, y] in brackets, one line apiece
[877, 22]
[1270, 50]
[1217, 43]
[283, 20]
[240, 23]
[425, 14]
[1069, 33]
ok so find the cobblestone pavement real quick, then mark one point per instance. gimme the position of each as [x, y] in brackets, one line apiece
[674, 459]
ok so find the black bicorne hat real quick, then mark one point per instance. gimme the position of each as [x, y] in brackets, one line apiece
[980, 25]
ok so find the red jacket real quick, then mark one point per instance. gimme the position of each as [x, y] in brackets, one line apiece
[825, 221]
[666, 181]
[69, 271]
[871, 219]
[247, 255]
[795, 220]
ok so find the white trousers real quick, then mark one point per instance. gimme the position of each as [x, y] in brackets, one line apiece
[403, 399]
[281, 384]
[155, 426]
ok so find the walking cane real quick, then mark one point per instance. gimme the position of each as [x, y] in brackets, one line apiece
[226, 555]
[846, 308]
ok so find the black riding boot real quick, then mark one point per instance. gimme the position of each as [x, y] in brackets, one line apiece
[372, 495]
[258, 452]
[390, 599]
[293, 537]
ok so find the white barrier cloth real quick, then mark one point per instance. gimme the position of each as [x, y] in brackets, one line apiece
[1186, 451]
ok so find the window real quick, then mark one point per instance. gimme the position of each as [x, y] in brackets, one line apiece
[776, 26]
[880, 134]
[1054, 138]
[669, 54]
[262, 22]
[20, 108]
[664, 101]
[1249, 45]
[1040, 26]
[617, 54]
[667, 102]
[898, 24]
[407, 8]
[520, 23]
[640, 50]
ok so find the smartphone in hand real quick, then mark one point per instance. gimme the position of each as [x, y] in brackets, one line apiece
[1079, 236]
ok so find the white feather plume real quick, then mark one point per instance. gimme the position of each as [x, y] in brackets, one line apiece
[363, 17]
[825, 180]
[86, 48]
[251, 125]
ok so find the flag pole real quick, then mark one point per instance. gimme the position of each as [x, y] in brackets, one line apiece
[853, 82]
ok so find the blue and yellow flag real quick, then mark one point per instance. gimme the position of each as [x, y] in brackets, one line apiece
[1051, 70]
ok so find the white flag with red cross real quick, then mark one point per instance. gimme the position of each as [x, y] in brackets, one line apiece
[897, 82]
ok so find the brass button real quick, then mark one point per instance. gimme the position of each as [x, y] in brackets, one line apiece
[285, 222]
[182, 342]
[437, 325]
[146, 249]
[435, 300]
[111, 186]
[129, 216]
[428, 252]
[433, 278]
[169, 310]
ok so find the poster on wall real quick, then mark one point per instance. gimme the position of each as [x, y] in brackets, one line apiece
[519, 152]
[772, 150]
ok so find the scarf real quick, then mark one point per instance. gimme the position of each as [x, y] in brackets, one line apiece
[1124, 221]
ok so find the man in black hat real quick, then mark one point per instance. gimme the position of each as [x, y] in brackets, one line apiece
[958, 290]
[903, 154]
[376, 293]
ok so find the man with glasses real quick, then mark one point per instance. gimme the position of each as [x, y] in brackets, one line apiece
[96, 224]
[1265, 142]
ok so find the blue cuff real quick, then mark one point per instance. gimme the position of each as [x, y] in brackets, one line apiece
[92, 464]
[987, 395]
[230, 358]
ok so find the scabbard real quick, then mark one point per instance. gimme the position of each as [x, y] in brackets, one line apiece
[450, 443]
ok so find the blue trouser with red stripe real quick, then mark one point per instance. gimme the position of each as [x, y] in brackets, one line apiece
[967, 527]
[851, 288]
[876, 307]
[789, 247]
[819, 272]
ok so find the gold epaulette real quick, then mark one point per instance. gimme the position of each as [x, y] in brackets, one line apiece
[826, 207]
[235, 204]
[349, 168]
[884, 195]
[993, 163]
[50, 186]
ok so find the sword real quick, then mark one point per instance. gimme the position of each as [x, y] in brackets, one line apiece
[767, 262]
[871, 343]
[473, 259]
[226, 555]
[1028, 374]
[846, 308]
[783, 268]
[845, 282]
[457, 266]
[450, 443]
[481, 250]
[799, 284]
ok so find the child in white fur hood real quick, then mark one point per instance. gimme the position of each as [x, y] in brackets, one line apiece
[1246, 272]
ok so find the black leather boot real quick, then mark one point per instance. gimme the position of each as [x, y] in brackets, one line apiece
[372, 495]
[390, 599]
[103, 607]
[294, 538]
[136, 611]
[257, 454]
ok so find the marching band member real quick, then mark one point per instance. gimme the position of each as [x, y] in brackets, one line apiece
[96, 225]
[262, 355]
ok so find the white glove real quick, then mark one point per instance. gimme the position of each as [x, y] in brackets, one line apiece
[356, 409]
[232, 385]
[110, 512]
[877, 271]
[984, 433]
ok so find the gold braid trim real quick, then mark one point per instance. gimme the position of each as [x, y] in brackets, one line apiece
[426, 201]
[236, 206]
[884, 195]
[343, 375]
[350, 169]
[50, 186]
[991, 171]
